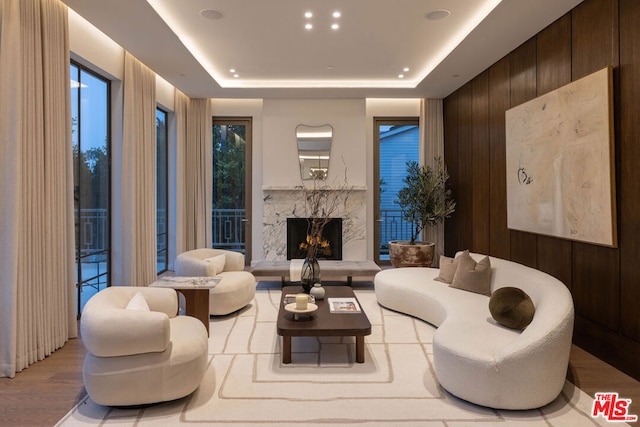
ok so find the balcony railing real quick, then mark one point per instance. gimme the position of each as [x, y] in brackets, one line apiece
[227, 226]
[93, 227]
[228, 229]
[94, 230]
[393, 227]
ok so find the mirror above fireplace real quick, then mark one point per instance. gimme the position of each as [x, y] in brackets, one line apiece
[314, 149]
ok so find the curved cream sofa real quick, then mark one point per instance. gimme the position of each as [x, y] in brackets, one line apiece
[137, 357]
[475, 358]
[237, 287]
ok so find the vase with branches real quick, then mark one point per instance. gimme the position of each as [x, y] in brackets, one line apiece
[321, 202]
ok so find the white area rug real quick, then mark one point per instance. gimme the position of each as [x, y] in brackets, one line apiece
[246, 383]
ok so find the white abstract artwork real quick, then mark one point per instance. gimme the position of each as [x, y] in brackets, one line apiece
[560, 162]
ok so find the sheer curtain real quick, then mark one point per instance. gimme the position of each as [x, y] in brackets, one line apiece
[432, 141]
[135, 258]
[37, 279]
[198, 186]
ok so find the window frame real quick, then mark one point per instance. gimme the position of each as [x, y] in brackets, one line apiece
[246, 121]
[78, 257]
[377, 122]
[166, 191]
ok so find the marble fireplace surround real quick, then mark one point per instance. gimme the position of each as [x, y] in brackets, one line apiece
[282, 202]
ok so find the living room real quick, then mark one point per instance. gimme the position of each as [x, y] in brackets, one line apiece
[594, 34]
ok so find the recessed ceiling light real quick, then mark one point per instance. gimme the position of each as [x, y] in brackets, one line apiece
[236, 75]
[335, 26]
[405, 69]
[308, 14]
[211, 14]
[232, 70]
[434, 15]
[336, 14]
[308, 26]
[401, 76]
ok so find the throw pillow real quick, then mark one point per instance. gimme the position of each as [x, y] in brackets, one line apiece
[138, 303]
[217, 262]
[511, 307]
[473, 276]
[448, 267]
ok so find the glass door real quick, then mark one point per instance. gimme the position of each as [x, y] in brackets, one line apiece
[162, 191]
[90, 138]
[231, 215]
[396, 141]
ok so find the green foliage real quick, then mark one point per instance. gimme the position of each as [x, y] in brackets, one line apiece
[425, 199]
[91, 176]
[228, 166]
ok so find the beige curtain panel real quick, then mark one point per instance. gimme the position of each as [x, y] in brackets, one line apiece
[37, 279]
[136, 258]
[432, 141]
[198, 174]
[180, 105]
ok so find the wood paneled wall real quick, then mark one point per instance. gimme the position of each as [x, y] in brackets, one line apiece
[604, 282]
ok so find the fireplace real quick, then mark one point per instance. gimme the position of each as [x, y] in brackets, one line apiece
[297, 234]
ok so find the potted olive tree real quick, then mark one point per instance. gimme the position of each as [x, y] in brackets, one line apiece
[425, 200]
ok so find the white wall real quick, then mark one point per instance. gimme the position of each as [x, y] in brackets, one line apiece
[346, 116]
[93, 48]
[165, 94]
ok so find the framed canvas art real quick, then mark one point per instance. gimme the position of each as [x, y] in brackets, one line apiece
[560, 162]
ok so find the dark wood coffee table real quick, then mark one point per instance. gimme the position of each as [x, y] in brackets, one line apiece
[322, 323]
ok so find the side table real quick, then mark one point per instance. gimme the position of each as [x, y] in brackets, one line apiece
[196, 294]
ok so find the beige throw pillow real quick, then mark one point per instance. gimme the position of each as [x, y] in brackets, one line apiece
[217, 264]
[473, 276]
[448, 267]
[138, 303]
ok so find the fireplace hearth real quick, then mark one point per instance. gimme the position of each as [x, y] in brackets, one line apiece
[297, 234]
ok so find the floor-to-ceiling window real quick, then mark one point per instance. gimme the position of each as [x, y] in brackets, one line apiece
[397, 141]
[162, 192]
[231, 214]
[91, 172]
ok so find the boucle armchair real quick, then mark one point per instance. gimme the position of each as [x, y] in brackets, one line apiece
[137, 356]
[237, 287]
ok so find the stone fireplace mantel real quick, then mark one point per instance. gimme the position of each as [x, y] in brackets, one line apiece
[282, 202]
[300, 188]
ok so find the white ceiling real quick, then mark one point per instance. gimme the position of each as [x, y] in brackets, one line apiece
[276, 57]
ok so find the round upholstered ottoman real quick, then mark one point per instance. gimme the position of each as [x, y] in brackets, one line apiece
[234, 291]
